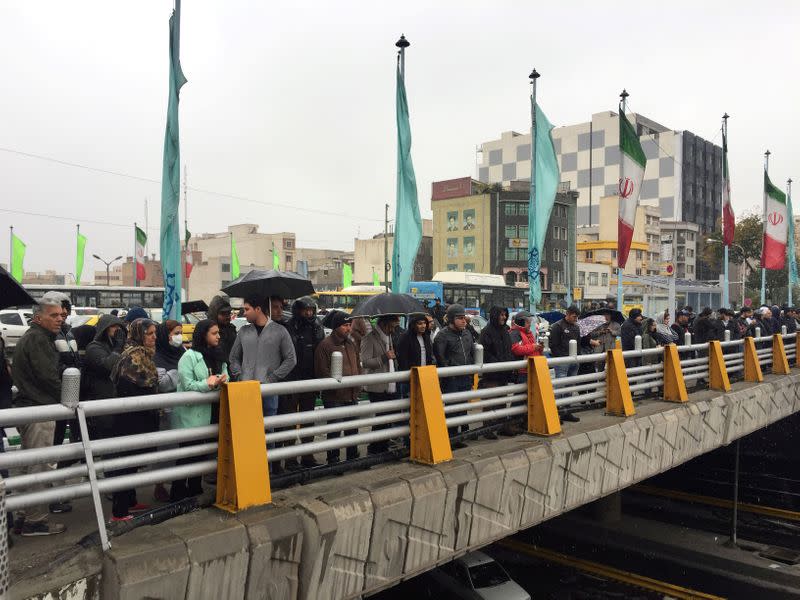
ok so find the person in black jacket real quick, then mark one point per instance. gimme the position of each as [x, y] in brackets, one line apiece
[496, 343]
[703, 330]
[306, 333]
[414, 348]
[681, 327]
[219, 311]
[630, 329]
[101, 356]
[454, 346]
[789, 319]
[438, 311]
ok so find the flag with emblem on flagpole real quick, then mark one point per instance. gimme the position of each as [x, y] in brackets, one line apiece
[141, 241]
[189, 265]
[728, 219]
[632, 166]
[776, 227]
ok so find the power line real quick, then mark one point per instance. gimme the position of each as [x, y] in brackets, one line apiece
[194, 189]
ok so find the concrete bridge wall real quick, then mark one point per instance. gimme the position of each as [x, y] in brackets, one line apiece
[347, 536]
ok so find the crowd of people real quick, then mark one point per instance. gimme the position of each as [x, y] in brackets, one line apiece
[135, 356]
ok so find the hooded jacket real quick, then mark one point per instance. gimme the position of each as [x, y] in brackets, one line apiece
[101, 356]
[67, 349]
[409, 352]
[452, 348]
[35, 368]
[560, 334]
[306, 335]
[227, 333]
[496, 344]
[350, 366]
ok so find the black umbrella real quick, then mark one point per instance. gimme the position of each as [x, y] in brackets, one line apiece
[194, 306]
[11, 292]
[616, 316]
[388, 304]
[263, 284]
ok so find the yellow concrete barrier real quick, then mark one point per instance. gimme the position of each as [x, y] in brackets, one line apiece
[618, 392]
[752, 368]
[717, 373]
[242, 473]
[542, 411]
[780, 364]
[674, 383]
[430, 443]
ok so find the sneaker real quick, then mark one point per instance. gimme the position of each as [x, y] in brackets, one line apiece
[570, 417]
[121, 519]
[458, 445]
[160, 493]
[18, 523]
[42, 528]
[490, 435]
[60, 507]
[139, 507]
[310, 463]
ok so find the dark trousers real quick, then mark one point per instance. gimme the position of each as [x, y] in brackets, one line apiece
[451, 385]
[291, 404]
[382, 446]
[351, 451]
[188, 486]
[130, 424]
[74, 436]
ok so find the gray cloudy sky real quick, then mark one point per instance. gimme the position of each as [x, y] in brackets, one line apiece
[293, 103]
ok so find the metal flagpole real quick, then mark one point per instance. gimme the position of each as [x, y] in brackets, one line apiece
[11, 251]
[763, 270]
[135, 278]
[726, 287]
[789, 244]
[533, 77]
[185, 229]
[620, 295]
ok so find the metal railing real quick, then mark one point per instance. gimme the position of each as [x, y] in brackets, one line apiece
[342, 427]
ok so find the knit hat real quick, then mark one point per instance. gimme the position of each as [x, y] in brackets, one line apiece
[635, 312]
[137, 312]
[454, 311]
[337, 319]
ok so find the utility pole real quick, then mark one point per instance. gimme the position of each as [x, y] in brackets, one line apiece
[386, 249]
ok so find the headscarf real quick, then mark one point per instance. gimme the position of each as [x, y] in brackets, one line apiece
[665, 330]
[167, 355]
[136, 364]
[213, 357]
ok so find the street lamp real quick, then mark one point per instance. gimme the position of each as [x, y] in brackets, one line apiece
[108, 264]
[744, 262]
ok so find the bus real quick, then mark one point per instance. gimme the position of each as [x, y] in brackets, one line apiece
[347, 298]
[102, 296]
[477, 292]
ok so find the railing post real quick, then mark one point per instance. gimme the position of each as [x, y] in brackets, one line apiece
[717, 373]
[430, 443]
[618, 391]
[752, 368]
[674, 383]
[477, 356]
[242, 471]
[542, 412]
[727, 335]
[337, 364]
[637, 343]
[687, 339]
[780, 364]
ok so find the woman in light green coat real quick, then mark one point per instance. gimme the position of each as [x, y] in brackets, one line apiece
[201, 369]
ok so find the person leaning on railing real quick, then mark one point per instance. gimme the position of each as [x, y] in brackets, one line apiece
[377, 354]
[102, 354]
[338, 341]
[36, 375]
[134, 374]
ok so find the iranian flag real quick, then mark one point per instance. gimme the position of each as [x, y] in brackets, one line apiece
[189, 260]
[141, 241]
[728, 220]
[776, 227]
[631, 170]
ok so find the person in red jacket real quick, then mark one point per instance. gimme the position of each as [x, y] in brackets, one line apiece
[523, 342]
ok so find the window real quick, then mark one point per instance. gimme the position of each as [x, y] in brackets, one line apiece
[226, 267]
[593, 278]
[638, 271]
[469, 267]
[522, 209]
[556, 231]
[638, 255]
[523, 231]
[11, 319]
[522, 254]
[581, 278]
[511, 231]
[510, 209]
[589, 255]
[604, 279]
[452, 267]
[564, 233]
[613, 254]
[511, 254]
[689, 252]
[556, 255]
[287, 243]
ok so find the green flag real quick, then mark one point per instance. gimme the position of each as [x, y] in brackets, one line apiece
[17, 258]
[376, 280]
[234, 260]
[276, 260]
[79, 257]
[347, 275]
[542, 197]
[408, 223]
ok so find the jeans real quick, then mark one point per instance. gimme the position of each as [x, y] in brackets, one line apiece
[269, 406]
[382, 446]
[289, 405]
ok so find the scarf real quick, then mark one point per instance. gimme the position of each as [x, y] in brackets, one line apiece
[213, 357]
[136, 363]
[391, 388]
[167, 355]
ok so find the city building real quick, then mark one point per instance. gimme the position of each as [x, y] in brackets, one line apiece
[370, 255]
[683, 177]
[49, 277]
[598, 243]
[123, 273]
[485, 230]
[682, 240]
[593, 281]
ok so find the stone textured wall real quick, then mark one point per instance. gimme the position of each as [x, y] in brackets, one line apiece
[343, 537]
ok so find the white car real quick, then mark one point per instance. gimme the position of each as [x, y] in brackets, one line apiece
[475, 575]
[13, 324]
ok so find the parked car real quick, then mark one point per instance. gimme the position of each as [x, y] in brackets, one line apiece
[13, 324]
[477, 576]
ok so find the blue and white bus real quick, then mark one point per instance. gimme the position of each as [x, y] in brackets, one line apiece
[477, 292]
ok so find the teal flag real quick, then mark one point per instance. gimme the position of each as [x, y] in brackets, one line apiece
[170, 178]
[408, 223]
[790, 243]
[542, 197]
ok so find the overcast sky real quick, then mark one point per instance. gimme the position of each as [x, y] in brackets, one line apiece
[292, 105]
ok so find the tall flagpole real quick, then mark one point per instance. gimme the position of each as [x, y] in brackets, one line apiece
[789, 243]
[726, 287]
[533, 77]
[11, 251]
[763, 270]
[185, 229]
[620, 295]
